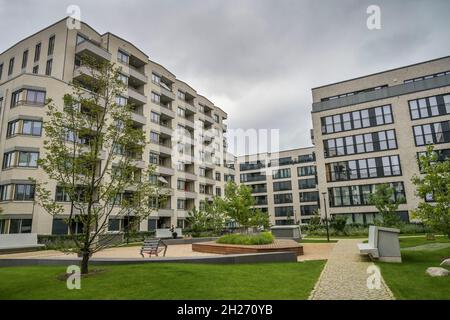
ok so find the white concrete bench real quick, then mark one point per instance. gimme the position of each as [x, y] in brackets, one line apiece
[19, 241]
[383, 244]
[166, 233]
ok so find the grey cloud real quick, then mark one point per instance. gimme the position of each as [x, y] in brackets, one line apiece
[257, 59]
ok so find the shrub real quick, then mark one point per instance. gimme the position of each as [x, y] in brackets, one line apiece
[57, 242]
[260, 238]
[338, 224]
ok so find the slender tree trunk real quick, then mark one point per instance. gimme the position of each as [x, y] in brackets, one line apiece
[85, 262]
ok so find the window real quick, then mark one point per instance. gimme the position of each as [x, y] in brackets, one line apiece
[37, 52]
[51, 45]
[11, 66]
[216, 118]
[123, 57]
[218, 191]
[123, 78]
[284, 211]
[24, 127]
[20, 226]
[156, 79]
[24, 192]
[1, 70]
[121, 101]
[369, 142]
[433, 133]
[312, 196]
[218, 178]
[282, 185]
[181, 95]
[24, 59]
[181, 204]
[281, 173]
[27, 96]
[359, 195]
[154, 158]
[429, 107]
[156, 98]
[20, 159]
[154, 137]
[249, 177]
[363, 169]
[61, 195]
[35, 69]
[181, 112]
[282, 198]
[307, 183]
[357, 119]
[308, 209]
[48, 67]
[154, 117]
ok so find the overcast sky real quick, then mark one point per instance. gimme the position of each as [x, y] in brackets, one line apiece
[257, 59]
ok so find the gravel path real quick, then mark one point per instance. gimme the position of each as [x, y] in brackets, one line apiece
[345, 276]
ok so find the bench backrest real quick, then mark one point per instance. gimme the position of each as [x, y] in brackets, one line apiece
[373, 236]
[151, 243]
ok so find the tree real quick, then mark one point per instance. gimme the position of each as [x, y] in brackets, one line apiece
[238, 205]
[434, 183]
[93, 150]
[383, 198]
[338, 223]
[209, 219]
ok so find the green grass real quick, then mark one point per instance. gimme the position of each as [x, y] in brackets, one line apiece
[244, 239]
[408, 280]
[417, 241]
[167, 281]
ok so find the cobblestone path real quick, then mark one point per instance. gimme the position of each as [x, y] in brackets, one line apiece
[345, 276]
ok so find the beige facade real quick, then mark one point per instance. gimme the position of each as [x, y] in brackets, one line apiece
[364, 126]
[284, 184]
[42, 66]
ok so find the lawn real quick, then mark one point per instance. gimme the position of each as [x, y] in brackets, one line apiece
[167, 281]
[408, 279]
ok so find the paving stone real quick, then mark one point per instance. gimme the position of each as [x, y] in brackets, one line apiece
[345, 276]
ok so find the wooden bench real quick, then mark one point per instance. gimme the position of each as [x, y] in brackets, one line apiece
[153, 246]
[383, 244]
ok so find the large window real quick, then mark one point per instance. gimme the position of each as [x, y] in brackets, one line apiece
[24, 59]
[309, 196]
[309, 209]
[11, 66]
[357, 119]
[20, 225]
[307, 183]
[429, 107]
[359, 195]
[362, 143]
[24, 159]
[123, 57]
[37, 52]
[281, 173]
[24, 127]
[284, 211]
[24, 192]
[282, 198]
[51, 45]
[254, 176]
[432, 133]
[363, 169]
[28, 96]
[306, 171]
[282, 185]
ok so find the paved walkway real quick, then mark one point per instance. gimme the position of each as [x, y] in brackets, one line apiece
[345, 276]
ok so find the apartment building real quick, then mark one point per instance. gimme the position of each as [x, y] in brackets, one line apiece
[371, 129]
[42, 66]
[284, 184]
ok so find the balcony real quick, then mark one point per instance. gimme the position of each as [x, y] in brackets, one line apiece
[190, 108]
[165, 129]
[165, 170]
[165, 212]
[137, 76]
[189, 194]
[167, 93]
[139, 118]
[189, 176]
[136, 97]
[165, 148]
[92, 49]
